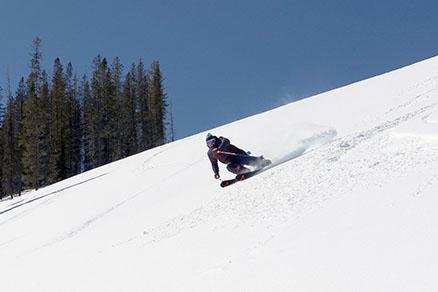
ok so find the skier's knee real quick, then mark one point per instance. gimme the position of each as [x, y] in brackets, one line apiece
[233, 167]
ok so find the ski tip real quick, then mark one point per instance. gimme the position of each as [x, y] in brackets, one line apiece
[225, 184]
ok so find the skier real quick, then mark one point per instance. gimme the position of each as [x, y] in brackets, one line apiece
[220, 149]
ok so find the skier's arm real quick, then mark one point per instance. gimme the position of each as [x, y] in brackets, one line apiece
[214, 164]
[224, 144]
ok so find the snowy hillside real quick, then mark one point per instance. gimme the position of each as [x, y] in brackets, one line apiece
[350, 204]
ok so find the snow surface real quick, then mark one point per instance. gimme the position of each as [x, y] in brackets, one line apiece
[350, 204]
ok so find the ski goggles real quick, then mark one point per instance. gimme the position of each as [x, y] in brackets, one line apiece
[210, 142]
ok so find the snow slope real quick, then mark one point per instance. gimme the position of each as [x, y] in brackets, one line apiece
[349, 205]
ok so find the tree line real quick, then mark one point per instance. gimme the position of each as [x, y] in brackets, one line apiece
[55, 127]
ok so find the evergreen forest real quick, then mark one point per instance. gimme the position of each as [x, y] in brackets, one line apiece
[57, 126]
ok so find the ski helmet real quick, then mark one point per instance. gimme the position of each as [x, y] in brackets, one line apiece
[209, 136]
[210, 140]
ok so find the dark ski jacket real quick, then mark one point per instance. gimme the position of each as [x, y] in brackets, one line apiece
[226, 146]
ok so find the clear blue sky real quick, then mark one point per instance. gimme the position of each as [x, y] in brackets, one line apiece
[225, 59]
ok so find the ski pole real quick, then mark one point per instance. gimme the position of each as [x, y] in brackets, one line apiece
[230, 153]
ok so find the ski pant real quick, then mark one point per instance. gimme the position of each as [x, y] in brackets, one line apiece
[236, 166]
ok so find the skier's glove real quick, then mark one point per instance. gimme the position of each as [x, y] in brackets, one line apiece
[217, 176]
[215, 150]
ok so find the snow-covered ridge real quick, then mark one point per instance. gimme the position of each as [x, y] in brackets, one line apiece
[349, 204]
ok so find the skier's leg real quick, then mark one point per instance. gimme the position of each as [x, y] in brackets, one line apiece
[236, 168]
[249, 160]
[257, 162]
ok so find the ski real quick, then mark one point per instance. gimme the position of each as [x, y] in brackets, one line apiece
[239, 177]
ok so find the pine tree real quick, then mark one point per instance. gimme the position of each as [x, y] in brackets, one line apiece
[30, 135]
[10, 162]
[44, 126]
[97, 93]
[68, 124]
[73, 130]
[144, 109]
[35, 133]
[76, 129]
[88, 124]
[109, 121]
[116, 76]
[172, 131]
[20, 101]
[129, 115]
[58, 163]
[103, 99]
[158, 103]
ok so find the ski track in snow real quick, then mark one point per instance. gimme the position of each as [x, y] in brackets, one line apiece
[86, 224]
[45, 199]
[75, 231]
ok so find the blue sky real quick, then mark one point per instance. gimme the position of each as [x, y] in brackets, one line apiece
[224, 60]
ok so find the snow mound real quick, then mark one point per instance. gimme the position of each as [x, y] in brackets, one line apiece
[424, 127]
